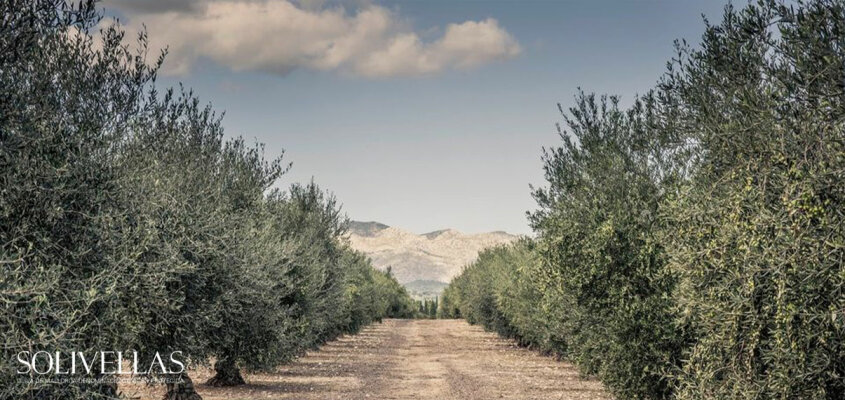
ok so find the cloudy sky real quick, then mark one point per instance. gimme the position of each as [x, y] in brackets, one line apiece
[419, 114]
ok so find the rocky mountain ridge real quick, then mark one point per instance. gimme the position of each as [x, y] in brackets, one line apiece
[432, 256]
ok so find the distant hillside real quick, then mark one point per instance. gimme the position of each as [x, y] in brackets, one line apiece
[421, 289]
[433, 257]
[365, 228]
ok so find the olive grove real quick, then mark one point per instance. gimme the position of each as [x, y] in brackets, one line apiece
[691, 245]
[130, 221]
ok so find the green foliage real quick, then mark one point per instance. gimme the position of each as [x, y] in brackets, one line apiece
[427, 308]
[691, 246]
[484, 291]
[128, 220]
[594, 287]
[758, 235]
[604, 273]
[65, 264]
[392, 296]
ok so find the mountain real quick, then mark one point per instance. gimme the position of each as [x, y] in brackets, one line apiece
[435, 256]
[425, 289]
[368, 229]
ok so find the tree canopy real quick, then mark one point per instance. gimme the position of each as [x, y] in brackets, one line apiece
[130, 221]
[691, 245]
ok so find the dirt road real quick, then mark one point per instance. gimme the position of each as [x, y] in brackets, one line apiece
[416, 359]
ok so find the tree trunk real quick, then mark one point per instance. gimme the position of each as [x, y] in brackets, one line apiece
[227, 374]
[183, 390]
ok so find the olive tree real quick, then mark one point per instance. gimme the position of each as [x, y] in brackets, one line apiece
[64, 108]
[606, 283]
[758, 230]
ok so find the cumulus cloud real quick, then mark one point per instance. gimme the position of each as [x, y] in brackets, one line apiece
[279, 36]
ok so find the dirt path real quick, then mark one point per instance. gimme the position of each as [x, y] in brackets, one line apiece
[416, 359]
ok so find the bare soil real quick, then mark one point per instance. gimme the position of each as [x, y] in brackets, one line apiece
[410, 359]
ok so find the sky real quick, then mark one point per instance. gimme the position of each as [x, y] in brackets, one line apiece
[422, 115]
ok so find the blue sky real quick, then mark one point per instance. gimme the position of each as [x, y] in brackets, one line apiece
[447, 134]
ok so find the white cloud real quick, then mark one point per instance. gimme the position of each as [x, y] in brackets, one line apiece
[279, 36]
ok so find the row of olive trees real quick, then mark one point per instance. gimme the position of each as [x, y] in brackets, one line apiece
[129, 222]
[691, 246]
